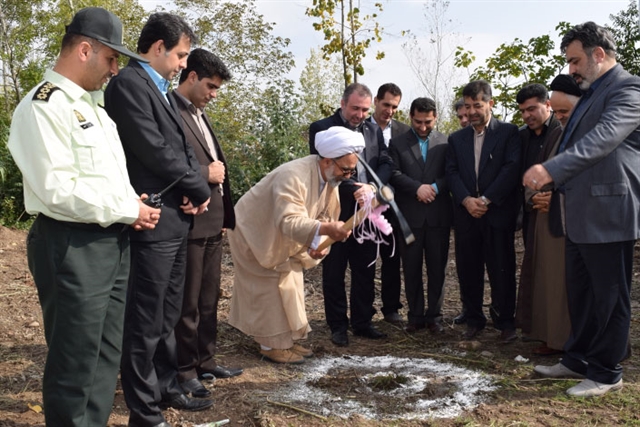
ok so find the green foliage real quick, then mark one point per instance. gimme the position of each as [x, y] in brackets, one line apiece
[626, 33]
[512, 66]
[257, 114]
[347, 33]
[321, 88]
[11, 200]
[275, 138]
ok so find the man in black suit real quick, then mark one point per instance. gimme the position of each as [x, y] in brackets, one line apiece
[423, 197]
[535, 107]
[197, 329]
[157, 154]
[355, 105]
[386, 104]
[483, 170]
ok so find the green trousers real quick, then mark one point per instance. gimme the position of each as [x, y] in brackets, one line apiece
[81, 273]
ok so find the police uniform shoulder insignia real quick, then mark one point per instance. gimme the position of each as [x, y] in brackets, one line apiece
[44, 92]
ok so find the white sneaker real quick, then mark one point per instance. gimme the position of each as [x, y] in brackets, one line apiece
[557, 371]
[590, 388]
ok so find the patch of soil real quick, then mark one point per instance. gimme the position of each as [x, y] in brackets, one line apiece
[245, 400]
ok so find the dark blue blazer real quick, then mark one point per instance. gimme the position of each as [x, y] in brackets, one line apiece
[498, 178]
[156, 149]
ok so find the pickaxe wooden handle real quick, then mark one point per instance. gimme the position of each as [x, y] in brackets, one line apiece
[352, 222]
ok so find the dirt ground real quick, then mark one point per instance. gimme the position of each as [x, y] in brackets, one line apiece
[518, 399]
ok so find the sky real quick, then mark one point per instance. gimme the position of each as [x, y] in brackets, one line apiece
[481, 27]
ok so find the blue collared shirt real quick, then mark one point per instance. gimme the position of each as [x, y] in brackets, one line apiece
[161, 83]
[424, 147]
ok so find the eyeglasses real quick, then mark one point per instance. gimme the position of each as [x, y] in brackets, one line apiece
[345, 171]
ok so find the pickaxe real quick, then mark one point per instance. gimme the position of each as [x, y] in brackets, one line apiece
[384, 195]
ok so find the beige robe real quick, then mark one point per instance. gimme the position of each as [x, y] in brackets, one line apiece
[276, 222]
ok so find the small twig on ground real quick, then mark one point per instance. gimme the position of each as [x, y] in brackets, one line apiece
[295, 408]
[446, 356]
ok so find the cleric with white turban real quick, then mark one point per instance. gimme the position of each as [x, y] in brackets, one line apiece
[279, 223]
[338, 141]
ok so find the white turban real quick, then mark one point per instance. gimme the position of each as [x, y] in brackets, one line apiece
[338, 141]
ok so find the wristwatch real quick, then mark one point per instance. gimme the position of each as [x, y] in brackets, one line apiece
[484, 200]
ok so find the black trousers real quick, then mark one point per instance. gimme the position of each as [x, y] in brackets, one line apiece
[391, 283]
[432, 245]
[598, 294]
[197, 329]
[477, 246]
[334, 267]
[81, 273]
[154, 303]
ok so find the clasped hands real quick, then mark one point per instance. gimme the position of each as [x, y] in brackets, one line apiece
[426, 193]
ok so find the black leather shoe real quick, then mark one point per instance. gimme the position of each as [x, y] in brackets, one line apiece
[393, 318]
[508, 335]
[412, 328]
[185, 403]
[471, 332]
[435, 328]
[220, 372]
[195, 387]
[370, 332]
[460, 319]
[340, 338]
[163, 424]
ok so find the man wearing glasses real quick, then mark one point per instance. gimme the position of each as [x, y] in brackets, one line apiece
[355, 106]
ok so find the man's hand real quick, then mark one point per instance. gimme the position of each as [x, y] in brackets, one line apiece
[188, 208]
[334, 230]
[318, 254]
[541, 201]
[426, 193]
[147, 216]
[216, 172]
[475, 206]
[361, 193]
[536, 177]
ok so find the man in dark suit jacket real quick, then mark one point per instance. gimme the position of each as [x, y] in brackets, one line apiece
[596, 169]
[482, 167]
[197, 329]
[540, 126]
[355, 105]
[157, 154]
[386, 104]
[423, 197]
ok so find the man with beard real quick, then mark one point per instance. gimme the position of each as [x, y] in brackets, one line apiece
[298, 202]
[596, 172]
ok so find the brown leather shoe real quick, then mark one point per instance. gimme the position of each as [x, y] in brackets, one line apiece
[302, 351]
[282, 356]
[543, 350]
